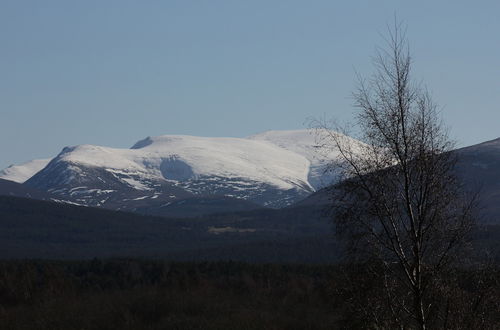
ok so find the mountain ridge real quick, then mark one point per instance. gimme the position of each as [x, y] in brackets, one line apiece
[269, 169]
[22, 172]
[261, 169]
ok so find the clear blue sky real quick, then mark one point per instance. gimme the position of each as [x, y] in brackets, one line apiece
[113, 72]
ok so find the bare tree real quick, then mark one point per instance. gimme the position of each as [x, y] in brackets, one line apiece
[400, 203]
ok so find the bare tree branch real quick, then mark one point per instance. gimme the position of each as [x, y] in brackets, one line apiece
[400, 202]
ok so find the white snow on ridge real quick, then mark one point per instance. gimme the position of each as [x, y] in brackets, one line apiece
[180, 157]
[135, 184]
[302, 142]
[305, 142]
[22, 172]
[309, 144]
[284, 159]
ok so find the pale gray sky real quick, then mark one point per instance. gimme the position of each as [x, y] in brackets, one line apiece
[112, 72]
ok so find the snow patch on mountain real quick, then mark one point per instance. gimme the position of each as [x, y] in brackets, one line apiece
[315, 147]
[22, 172]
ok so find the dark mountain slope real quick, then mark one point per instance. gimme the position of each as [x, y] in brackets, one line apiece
[199, 206]
[478, 167]
[39, 229]
[11, 188]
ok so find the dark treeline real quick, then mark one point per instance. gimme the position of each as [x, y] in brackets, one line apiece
[47, 230]
[147, 294]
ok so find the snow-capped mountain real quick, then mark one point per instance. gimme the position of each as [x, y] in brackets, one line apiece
[159, 170]
[309, 144]
[188, 175]
[270, 169]
[21, 173]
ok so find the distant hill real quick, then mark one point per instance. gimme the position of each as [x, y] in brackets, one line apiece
[48, 230]
[479, 166]
[40, 229]
[11, 188]
[199, 206]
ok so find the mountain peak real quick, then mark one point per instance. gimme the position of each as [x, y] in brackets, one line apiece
[142, 143]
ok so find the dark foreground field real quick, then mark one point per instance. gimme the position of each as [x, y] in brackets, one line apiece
[133, 294]
[141, 294]
[288, 275]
